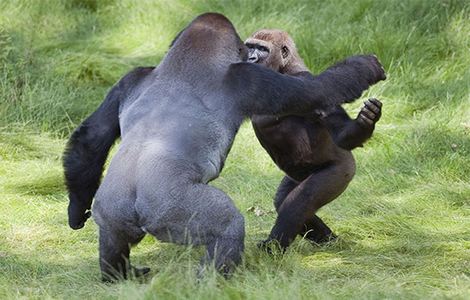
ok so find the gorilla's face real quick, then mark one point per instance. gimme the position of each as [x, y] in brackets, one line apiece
[258, 53]
[265, 53]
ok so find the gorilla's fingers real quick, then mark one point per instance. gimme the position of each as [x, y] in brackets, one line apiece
[369, 114]
[381, 71]
[376, 102]
[77, 216]
[363, 120]
[76, 225]
[371, 106]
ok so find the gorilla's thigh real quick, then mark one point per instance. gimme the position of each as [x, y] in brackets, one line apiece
[186, 213]
[197, 213]
[113, 209]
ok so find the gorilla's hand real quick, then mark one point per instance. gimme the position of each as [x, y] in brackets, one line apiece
[370, 113]
[78, 214]
[368, 66]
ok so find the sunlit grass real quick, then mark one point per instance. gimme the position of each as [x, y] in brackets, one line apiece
[403, 222]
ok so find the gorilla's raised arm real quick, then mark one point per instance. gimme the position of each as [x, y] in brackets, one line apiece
[348, 133]
[263, 91]
[88, 147]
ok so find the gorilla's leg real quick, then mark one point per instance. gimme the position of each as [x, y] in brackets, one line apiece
[314, 229]
[114, 255]
[220, 224]
[285, 187]
[301, 204]
[317, 231]
[114, 213]
[186, 212]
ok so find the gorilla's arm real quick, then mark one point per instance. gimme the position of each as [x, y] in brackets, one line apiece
[86, 154]
[349, 134]
[88, 147]
[263, 91]
[346, 133]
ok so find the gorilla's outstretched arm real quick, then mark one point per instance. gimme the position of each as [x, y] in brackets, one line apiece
[88, 147]
[263, 91]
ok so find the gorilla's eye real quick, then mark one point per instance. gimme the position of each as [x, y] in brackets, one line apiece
[263, 48]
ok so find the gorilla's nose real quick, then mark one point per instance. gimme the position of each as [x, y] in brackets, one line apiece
[253, 58]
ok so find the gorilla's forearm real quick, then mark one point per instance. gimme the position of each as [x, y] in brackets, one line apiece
[352, 136]
[268, 92]
[85, 155]
[345, 81]
[349, 134]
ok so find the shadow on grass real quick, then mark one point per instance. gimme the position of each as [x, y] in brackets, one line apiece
[50, 185]
[26, 271]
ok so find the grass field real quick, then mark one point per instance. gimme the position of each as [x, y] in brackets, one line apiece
[404, 222]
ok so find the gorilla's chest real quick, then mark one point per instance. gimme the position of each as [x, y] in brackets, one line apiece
[295, 141]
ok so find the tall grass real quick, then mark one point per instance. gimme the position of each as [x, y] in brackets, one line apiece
[403, 222]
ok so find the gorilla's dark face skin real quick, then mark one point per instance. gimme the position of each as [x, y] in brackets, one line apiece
[258, 54]
[177, 122]
[313, 150]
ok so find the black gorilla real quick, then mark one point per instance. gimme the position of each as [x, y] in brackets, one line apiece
[314, 150]
[177, 122]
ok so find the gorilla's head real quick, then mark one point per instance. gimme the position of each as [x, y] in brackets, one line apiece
[211, 38]
[274, 49]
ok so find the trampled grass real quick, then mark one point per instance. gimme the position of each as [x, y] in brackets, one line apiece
[404, 222]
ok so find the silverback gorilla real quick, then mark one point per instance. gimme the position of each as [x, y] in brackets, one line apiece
[177, 122]
[313, 150]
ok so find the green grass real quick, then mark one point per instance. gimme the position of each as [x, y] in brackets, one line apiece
[404, 221]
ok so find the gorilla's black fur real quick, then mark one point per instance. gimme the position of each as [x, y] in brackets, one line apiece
[177, 123]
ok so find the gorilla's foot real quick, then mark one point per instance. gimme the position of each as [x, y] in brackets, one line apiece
[318, 237]
[316, 231]
[113, 277]
[271, 246]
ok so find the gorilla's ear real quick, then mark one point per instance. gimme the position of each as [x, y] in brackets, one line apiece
[285, 52]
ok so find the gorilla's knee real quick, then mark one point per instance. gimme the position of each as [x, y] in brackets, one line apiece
[347, 165]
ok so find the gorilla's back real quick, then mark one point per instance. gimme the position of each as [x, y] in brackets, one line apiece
[170, 120]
